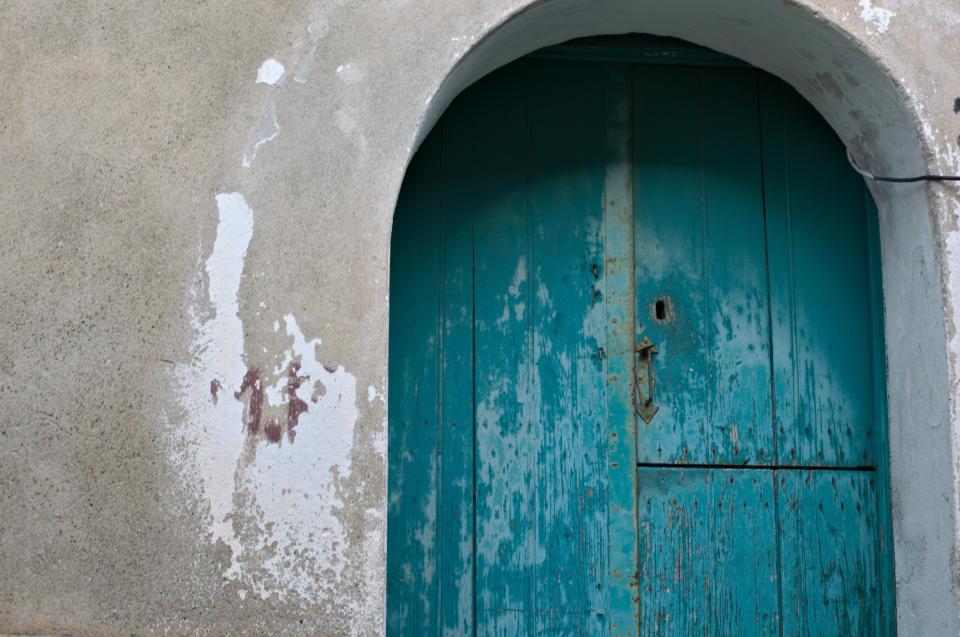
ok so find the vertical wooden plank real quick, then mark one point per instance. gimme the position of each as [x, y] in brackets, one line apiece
[565, 271]
[740, 397]
[779, 253]
[413, 445]
[708, 562]
[621, 421]
[819, 288]
[456, 479]
[830, 571]
[508, 390]
[700, 252]
[828, 376]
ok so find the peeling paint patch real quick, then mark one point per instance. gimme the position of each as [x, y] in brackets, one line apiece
[514, 294]
[211, 428]
[876, 17]
[271, 498]
[270, 72]
[293, 490]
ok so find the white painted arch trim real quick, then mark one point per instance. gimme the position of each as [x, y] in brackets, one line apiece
[847, 80]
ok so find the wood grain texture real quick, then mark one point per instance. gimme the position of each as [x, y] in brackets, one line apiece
[456, 480]
[567, 321]
[820, 270]
[708, 552]
[621, 420]
[541, 466]
[414, 488]
[554, 205]
[507, 390]
[700, 251]
[832, 581]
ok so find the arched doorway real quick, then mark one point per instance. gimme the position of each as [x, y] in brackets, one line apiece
[636, 359]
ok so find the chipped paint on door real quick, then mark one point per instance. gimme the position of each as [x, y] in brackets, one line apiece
[579, 242]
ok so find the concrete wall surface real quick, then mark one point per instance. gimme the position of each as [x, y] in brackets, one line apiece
[195, 210]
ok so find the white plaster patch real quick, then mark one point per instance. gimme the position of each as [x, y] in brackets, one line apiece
[273, 505]
[293, 487]
[214, 428]
[876, 17]
[270, 72]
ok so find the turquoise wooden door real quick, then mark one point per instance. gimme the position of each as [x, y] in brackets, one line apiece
[636, 377]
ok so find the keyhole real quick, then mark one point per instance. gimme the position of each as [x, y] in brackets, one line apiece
[660, 310]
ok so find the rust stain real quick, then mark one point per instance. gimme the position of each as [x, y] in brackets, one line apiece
[215, 387]
[273, 431]
[275, 426]
[295, 406]
[253, 382]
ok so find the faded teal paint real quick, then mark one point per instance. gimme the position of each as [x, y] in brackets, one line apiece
[708, 562]
[619, 354]
[827, 411]
[556, 203]
[828, 524]
[700, 248]
[412, 585]
[829, 376]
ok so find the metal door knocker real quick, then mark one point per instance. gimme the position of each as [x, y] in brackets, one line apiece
[645, 381]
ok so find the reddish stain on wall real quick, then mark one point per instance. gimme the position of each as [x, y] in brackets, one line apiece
[295, 406]
[273, 431]
[273, 427]
[215, 387]
[253, 382]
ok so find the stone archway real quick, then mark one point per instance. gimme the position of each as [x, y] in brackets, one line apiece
[849, 84]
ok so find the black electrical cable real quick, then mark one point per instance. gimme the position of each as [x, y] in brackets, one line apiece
[907, 180]
[900, 180]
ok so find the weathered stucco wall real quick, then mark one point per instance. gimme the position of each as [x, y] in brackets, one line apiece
[195, 206]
